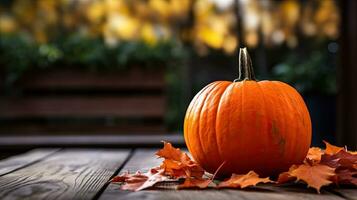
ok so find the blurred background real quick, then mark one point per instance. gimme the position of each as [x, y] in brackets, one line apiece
[99, 68]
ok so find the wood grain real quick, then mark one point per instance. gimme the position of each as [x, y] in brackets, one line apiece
[144, 159]
[68, 174]
[348, 193]
[16, 162]
[153, 140]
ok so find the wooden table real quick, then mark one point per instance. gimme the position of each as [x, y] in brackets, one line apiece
[84, 174]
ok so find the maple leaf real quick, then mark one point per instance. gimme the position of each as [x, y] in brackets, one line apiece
[242, 181]
[178, 164]
[140, 181]
[286, 176]
[169, 152]
[346, 159]
[332, 149]
[330, 160]
[314, 154]
[315, 176]
[346, 176]
[199, 182]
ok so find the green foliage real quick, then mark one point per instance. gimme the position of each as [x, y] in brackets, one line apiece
[19, 54]
[314, 72]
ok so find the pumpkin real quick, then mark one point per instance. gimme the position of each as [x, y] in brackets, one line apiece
[247, 125]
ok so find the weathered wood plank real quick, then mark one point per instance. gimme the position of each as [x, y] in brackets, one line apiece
[348, 193]
[144, 159]
[68, 174]
[16, 162]
[148, 106]
[10, 141]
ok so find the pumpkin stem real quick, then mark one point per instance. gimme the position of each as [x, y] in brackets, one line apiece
[245, 66]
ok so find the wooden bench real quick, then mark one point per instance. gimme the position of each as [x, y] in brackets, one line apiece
[69, 101]
[84, 174]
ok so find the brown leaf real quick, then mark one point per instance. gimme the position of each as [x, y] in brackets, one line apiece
[140, 181]
[153, 178]
[242, 181]
[346, 176]
[199, 182]
[332, 149]
[330, 160]
[286, 176]
[315, 176]
[346, 159]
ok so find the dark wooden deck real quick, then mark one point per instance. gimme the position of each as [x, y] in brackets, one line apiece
[84, 174]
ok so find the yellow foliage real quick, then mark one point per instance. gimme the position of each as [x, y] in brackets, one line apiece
[7, 24]
[155, 20]
[148, 34]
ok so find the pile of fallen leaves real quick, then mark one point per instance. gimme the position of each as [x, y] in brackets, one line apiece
[334, 165]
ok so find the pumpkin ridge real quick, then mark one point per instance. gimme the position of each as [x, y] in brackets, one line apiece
[215, 125]
[292, 145]
[192, 105]
[200, 105]
[264, 106]
[219, 115]
[204, 102]
[301, 105]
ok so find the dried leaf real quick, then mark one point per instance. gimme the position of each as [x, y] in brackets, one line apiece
[140, 181]
[169, 152]
[346, 159]
[242, 181]
[153, 178]
[314, 154]
[199, 182]
[286, 176]
[178, 164]
[346, 176]
[330, 160]
[315, 176]
[332, 149]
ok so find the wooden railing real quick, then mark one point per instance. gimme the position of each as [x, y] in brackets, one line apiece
[67, 101]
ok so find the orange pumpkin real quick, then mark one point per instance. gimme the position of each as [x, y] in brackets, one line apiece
[250, 125]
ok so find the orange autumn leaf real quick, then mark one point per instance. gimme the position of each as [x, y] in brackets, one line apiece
[178, 164]
[242, 181]
[320, 168]
[199, 182]
[314, 154]
[315, 176]
[286, 176]
[332, 149]
[171, 153]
